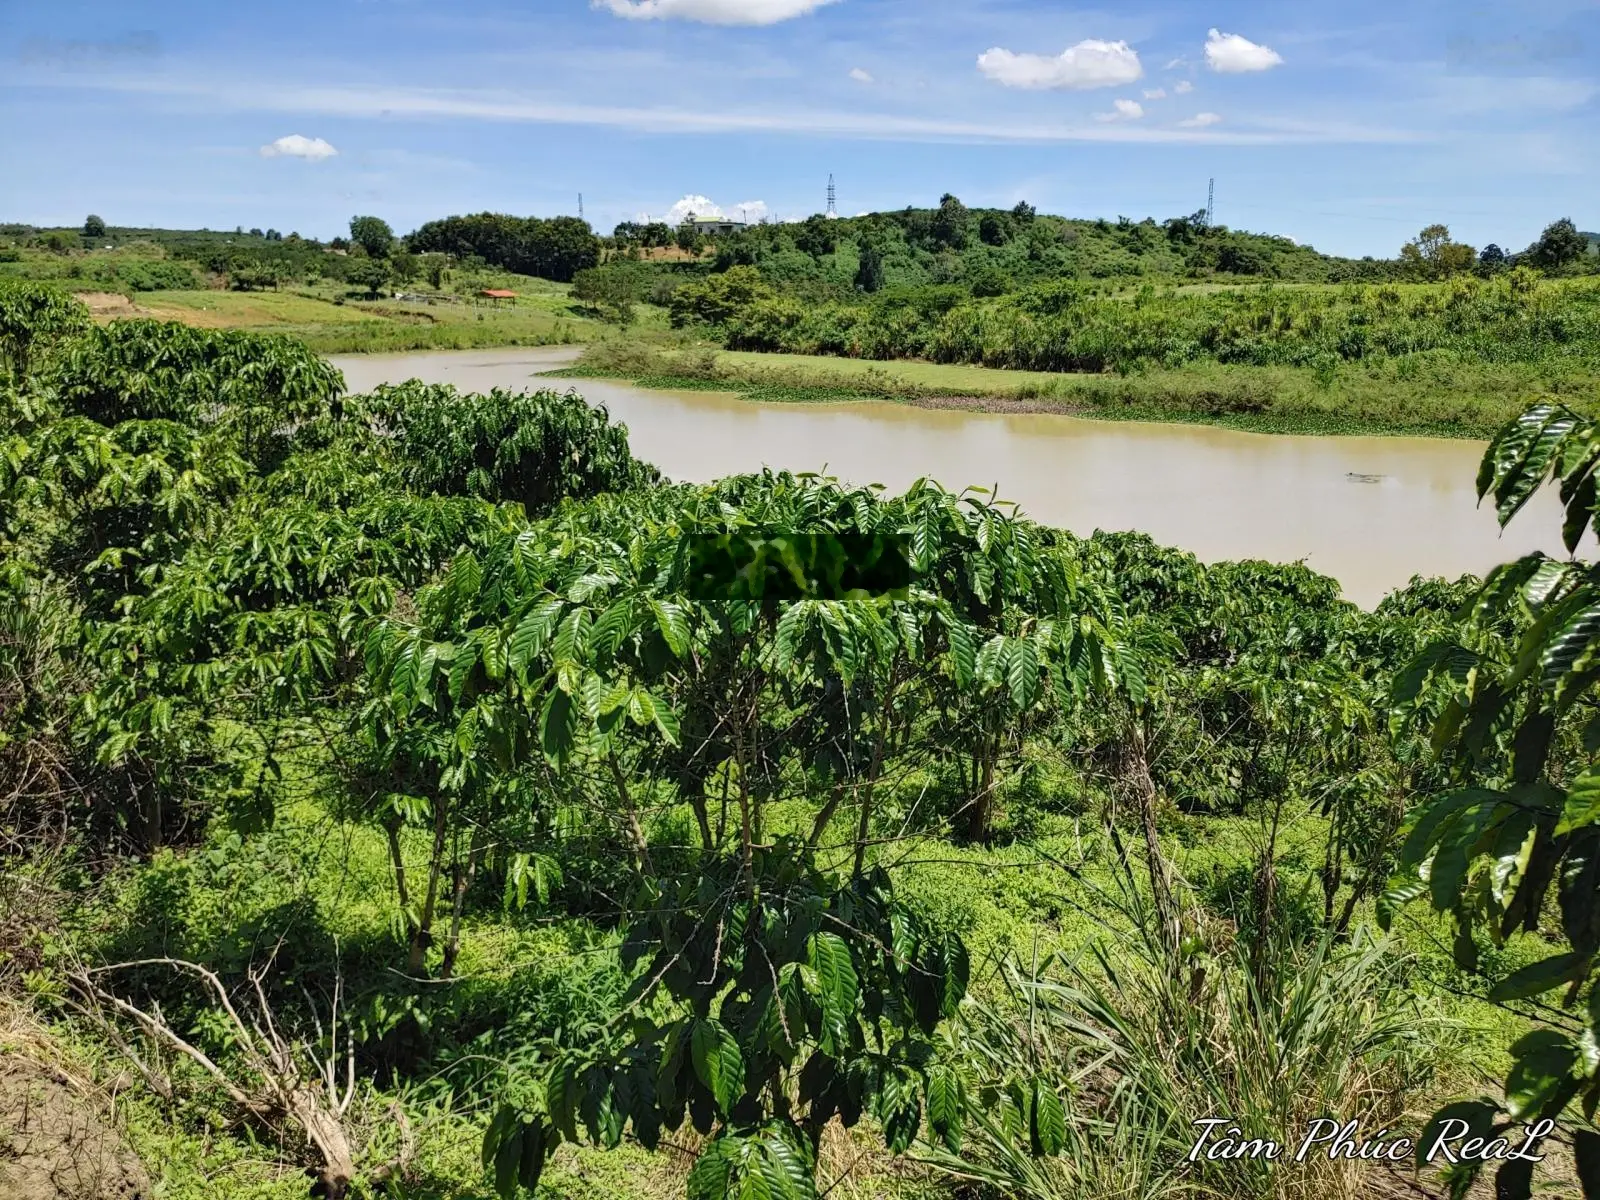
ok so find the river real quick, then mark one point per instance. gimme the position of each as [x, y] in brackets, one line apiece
[1369, 511]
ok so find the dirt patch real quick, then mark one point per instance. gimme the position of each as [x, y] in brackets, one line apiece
[57, 1142]
[108, 304]
[199, 318]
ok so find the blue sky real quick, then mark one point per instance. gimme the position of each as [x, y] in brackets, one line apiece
[1346, 125]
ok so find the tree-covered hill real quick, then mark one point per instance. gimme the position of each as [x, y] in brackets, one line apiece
[990, 250]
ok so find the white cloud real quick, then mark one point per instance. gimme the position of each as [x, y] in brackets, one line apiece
[1123, 110]
[1089, 64]
[704, 208]
[1182, 88]
[298, 146]
[1201, 120]
[1155, 93]
[1232, 54]
[860, 76]
[713, 12]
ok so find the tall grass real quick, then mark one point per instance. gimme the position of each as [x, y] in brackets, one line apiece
[380, 337]
[1141, 1043]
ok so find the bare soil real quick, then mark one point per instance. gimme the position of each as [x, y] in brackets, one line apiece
[57, 1141]
[107, 304]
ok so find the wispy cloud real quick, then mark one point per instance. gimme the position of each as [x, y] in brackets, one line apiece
[483, 105]
[1155, 93]
[1231, 54]
[298, 146]
[1089, 64]
[1483, 94]
[713, 12]
[1182, 88]
[860, 76]
[1202, 121]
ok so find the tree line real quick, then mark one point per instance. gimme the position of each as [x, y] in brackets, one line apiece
[1433, 255]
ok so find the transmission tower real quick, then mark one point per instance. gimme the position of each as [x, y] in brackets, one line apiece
[833, 210]
[580, 206]
[1211, 203]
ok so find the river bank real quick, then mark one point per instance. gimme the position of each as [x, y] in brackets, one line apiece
[1426, 395]
[1440, 399]
[1369, 511]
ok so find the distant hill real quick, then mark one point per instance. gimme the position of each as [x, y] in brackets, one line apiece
[991, 251]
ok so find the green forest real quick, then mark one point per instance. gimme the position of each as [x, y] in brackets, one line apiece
[416, 794]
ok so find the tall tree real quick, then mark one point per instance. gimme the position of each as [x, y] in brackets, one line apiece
[816, 237]
[369, 274]
[611, 290]
[1558, 245]
[373, 235]
[949, 224]
[1433, 255]
[869, 274]
[562, 246]
[994, 229]
[93, 227]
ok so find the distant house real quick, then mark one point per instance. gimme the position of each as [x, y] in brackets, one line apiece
[497, 294]
[712, 228]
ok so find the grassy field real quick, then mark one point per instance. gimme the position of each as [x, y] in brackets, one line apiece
[1417, 396]
[332, 323]
[141, 279]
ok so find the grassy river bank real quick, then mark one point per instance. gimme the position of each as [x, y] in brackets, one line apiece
[1435, 398]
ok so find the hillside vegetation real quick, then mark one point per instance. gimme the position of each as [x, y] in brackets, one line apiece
[416, 792]
[1065, 328]
[1195, 322]
[1179, 319]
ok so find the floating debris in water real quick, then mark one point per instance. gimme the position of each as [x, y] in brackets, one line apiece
[1357, 477]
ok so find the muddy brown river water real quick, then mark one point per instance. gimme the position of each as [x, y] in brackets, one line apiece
[1369, 511]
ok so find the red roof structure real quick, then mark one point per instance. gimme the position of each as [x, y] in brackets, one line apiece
[498, 294]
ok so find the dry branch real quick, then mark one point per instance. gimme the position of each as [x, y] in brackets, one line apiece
[282, 1080]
